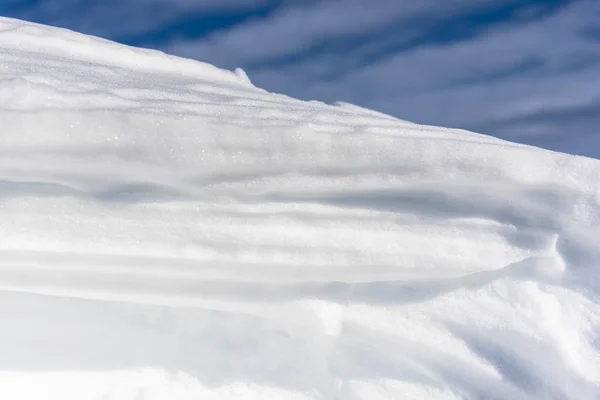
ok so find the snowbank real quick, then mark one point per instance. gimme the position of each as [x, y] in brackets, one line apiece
[169, 231]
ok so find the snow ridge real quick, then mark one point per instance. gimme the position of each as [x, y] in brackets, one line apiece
[171, 231]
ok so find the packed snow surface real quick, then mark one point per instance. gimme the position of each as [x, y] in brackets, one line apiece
[169, 231]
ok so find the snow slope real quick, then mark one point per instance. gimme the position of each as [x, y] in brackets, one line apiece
[169, 231]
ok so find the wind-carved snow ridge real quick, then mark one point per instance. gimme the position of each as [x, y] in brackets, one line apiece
[169, 231]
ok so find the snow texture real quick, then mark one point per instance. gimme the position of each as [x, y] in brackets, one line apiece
[169, 231]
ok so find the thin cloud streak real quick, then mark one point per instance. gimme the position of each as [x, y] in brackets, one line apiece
[297, 29]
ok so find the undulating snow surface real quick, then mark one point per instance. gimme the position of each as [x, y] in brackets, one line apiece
[169, 231]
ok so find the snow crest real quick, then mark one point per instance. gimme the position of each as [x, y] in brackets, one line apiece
[169, 231]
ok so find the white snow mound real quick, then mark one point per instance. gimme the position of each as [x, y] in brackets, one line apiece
[169, 231]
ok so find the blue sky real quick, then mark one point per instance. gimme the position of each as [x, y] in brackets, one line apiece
[527, 71]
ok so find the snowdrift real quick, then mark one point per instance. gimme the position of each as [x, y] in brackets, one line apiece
[169, 231]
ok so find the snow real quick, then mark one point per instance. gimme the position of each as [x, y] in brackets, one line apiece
[169, 231]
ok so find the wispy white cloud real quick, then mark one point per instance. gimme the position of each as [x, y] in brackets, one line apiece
[522, 69]
[297, 29]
